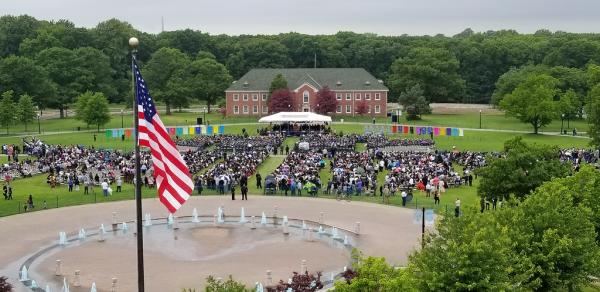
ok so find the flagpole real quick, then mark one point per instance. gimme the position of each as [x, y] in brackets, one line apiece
[133, 44]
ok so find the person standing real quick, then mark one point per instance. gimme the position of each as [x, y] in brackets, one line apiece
[199, 186]
[404, 195]
[232, 192]
[436, 198]
[245, 192]
[457, 207]
[119, 184]
[104, 185]
[94, 137]
[258, 181]
[70, 183]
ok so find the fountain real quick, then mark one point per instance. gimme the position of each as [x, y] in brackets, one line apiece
[147, 220]
[65, 287]
[81, 235]
[285, 220]
[62, 238]
[331, 277]
[23, 276]
[304, 227]
[346, 242]
[195, 216]
[47, 288]
[345, 268]
[320, 229]
[286, 230]
[220, 216]
[334, 233]
[243, 216]
[170, 220]
[263, 219]
[259, 287]
[33, 285]
[101, 232]
[93, 289]
[124, 227]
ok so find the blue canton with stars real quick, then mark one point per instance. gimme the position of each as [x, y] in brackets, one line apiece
[143, 95]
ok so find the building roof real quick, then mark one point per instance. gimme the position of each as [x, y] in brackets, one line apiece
[335, 78]
[302, 117]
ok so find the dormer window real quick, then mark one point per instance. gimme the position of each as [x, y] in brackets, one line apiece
[305, 96]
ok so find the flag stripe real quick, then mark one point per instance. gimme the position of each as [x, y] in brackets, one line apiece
[173, 180]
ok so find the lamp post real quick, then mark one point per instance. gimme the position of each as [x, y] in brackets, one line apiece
[39, 126]
[480, 111]
[562, 122]
[122, 119]
[204, 114]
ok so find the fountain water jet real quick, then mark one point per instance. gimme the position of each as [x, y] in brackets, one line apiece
[62, 238]
[263, 219]
[81, 235]
[24, 274]
[195, 216]
[93, 289]
[243, 216]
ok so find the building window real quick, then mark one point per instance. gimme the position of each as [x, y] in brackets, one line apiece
[377, 96]
[265, 109]
[339, 109]
[305, 96]
[245, 97]
[367, 96]
[255, 97]
[357, 96]
[264, 97]
[348, 109]
[236, 109]
[377, 109]
[348, 96]
[368, 109]
[236, 97]
[255, 109]
[245, 109]
[338, 96]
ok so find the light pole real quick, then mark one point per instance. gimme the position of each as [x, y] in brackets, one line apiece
[480, 111]
[562, 122]
[122, 119]
[39, 126]
[204, 114]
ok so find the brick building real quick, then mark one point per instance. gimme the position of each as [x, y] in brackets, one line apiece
[248, 95]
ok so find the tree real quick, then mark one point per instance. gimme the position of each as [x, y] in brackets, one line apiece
[362, 107]
[435, 69]
[509, 81]
[4, 285]
[281, 101]
[375, 274]
[7, 110]
[92, 108]
[24, 76]
[278, 82]
[592, 111]
[26, 111]
[569, 105]
[95, 72]
[414, 103]
[326, 101]
[533, 101]
[165, 74]
[58, 62]
[524, 168]
[230, 285]
[13, 30]
[207, 80]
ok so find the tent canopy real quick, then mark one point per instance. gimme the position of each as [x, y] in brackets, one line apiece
[297, 117]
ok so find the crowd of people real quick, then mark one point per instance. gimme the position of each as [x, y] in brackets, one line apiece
[299, 171]
[380, 141]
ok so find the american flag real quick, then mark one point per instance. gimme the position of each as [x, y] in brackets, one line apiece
[172, 175]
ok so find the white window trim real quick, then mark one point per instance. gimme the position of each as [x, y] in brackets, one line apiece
[255, 109]
[348, 109]
[264, 96]
[367, 96]
[338, 109]
[245, 108]
[236, 97]
[377, 109]
[348, 96]
[245, 97]
[265, 109]
[377, 96]
[255, 97]
[357, 96]
[236, 109]
[338, 96]
[305, 97]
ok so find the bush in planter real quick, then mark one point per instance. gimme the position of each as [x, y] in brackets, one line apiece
[218, 285]
[4, 285]
[300, 283]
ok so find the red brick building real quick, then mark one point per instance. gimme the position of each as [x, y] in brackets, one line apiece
[248, 95]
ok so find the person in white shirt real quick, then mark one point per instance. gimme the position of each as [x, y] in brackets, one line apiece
[104, 185]
[457, 207]
[404, 195]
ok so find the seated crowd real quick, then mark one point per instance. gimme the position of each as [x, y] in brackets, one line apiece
[299, 171]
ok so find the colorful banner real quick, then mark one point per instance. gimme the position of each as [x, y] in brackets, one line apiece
[198, 130]
[448, 131]
[115, 133]
[179, 131]
[461, 132]
[436, 131]
[394, 129]
[128, 133]
[405, 129]
[108, 133]
[221, 129]
[209, 130]
[192, 130]
[455, 132]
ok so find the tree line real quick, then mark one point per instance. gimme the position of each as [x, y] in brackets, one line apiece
[53, 60]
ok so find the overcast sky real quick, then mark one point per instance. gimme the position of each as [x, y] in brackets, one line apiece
[384, 17]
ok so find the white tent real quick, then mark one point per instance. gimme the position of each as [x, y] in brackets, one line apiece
[295, 117]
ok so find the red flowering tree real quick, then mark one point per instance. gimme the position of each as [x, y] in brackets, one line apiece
[281, 101]
[362, 107]
[326, 101]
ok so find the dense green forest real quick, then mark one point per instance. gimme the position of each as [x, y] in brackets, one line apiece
[56, 61]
